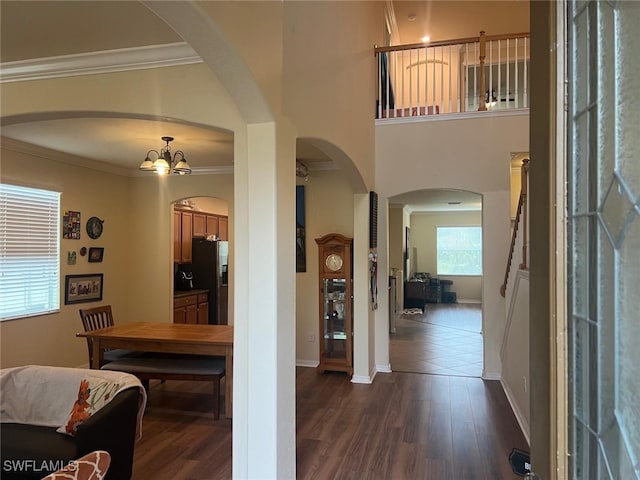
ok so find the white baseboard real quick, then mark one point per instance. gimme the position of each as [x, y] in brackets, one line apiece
[524, 425]
[465, 300]
[386, 368]
[366, 379]
[491, 376]
[307, 363]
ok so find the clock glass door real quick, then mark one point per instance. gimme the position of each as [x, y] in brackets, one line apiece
[335, 311]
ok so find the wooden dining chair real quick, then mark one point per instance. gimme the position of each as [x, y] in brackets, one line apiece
[101, 317]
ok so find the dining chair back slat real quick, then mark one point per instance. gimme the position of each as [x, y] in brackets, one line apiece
[94, 319]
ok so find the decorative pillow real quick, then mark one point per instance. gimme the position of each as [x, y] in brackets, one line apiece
[93, 466]
[93, 394]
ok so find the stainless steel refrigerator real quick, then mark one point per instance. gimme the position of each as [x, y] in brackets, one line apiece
[209, 266]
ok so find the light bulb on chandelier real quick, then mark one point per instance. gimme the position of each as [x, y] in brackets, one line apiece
[163, 163]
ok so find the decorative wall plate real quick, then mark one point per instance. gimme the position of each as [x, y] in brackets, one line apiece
[94, 227]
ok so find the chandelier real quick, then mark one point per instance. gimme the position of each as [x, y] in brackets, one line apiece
[163, 163]
[302, 171]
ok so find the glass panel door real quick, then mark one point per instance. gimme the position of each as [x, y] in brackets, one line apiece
[335, 311]
[604, 239]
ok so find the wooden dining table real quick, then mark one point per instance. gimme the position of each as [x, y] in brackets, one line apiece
[170, 338]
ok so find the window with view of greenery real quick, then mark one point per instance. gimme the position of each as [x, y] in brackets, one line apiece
[29, 251]
[459, 250]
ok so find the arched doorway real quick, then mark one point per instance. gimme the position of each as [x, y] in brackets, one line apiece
[436, 254]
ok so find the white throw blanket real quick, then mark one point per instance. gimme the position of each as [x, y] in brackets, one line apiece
[44, 396]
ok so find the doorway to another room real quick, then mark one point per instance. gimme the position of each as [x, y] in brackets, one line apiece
[438, 326]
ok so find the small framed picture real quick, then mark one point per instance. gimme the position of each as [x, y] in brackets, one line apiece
[96, 254]
[82, 288]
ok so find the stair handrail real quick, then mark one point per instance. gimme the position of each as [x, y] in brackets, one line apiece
[521, 211]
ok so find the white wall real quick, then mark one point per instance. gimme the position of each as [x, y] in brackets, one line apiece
[515, 350]
[423, 238]
[470, 154]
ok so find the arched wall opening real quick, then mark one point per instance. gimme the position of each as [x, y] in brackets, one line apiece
[436, 257]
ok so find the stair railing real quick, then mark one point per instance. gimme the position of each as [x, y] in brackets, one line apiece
[521, 218]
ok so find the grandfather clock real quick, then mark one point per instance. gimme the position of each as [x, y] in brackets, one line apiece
[336, 303]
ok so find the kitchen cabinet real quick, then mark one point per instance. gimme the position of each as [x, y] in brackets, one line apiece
[199, 225]
[223, 228]
[191, 307]
[336, 303]
[211, 225]
[206, 224]
[182, 234]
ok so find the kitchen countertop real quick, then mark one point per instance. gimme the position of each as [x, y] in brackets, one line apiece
[188, 293]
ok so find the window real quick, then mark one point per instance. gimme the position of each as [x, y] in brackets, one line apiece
[29, 251]
[459, 250]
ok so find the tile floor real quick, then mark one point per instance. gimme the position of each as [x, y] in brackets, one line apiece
[445, 340]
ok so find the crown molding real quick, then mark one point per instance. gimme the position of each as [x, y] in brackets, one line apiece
[107, 61]
[222, 170]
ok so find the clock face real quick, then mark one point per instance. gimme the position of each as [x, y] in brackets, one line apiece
[333, 262]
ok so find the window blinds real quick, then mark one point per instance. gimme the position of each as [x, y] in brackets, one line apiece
[29, 251]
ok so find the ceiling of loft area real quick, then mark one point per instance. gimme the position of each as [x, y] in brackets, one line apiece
[438, 200]
[450, 20]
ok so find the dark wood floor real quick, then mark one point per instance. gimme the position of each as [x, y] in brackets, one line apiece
[403, 426]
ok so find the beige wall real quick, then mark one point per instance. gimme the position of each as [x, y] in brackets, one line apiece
[50, 339]
[151, 237]
[138, 257]
[143, 92]
[423, 238]
[325, 100]
[329, 209]
[210, 205]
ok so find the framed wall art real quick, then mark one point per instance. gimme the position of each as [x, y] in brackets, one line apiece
[83, 288]
[71, 225]
[96, 254]
[301, 256]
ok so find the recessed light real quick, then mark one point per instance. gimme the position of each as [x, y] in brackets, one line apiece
[412, 17]
[454, 203]
[425, 39]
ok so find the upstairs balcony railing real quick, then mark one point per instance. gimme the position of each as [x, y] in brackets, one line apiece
[484, 73]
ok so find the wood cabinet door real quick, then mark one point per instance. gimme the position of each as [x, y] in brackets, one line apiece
[179, 315]
[191, 315]
[200, 222]
[186, 235]
[203, 313]
[223, 228]
[212, 225]
[177, 237]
